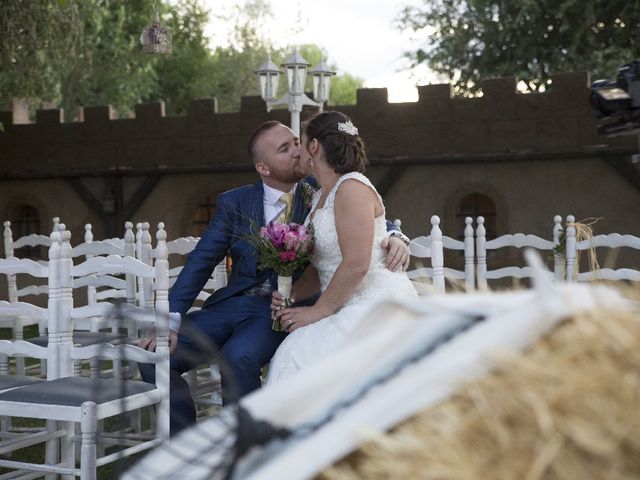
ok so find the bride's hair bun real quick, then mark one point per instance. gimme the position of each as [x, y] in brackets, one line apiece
[343, 147]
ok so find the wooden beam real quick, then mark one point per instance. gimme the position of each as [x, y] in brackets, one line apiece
[139, 196]
[392, 175]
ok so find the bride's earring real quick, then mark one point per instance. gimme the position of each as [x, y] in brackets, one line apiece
[310, 161]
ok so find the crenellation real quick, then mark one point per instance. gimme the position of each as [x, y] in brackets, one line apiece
[50, 116]
[201, 109]
[499, 88]
[149, 112]
[436, 92]
[498, 95]
[100, 114]
[372, 96]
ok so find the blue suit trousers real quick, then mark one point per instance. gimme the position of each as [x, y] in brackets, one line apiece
[237, 329]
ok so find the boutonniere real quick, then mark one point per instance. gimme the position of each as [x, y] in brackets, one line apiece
[307, 193]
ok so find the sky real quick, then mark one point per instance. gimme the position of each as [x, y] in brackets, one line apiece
[358, 35]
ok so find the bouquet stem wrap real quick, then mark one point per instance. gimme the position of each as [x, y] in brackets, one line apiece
[284, 289]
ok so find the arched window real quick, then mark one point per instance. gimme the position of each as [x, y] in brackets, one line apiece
[203, 214]
[478, 205]
[25, 220]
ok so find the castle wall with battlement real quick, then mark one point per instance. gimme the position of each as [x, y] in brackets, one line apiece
[535, 155]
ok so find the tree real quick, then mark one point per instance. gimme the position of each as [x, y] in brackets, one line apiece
[190, 71]
[471, 39]
[343, 85]
[83, 52]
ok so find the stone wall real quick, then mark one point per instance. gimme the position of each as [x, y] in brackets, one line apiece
[534, 155]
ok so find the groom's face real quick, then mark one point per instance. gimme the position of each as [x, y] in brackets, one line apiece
[278, 152]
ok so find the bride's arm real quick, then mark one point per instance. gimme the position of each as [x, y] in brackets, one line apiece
[355, 210]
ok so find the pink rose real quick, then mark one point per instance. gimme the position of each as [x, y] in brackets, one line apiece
[288, 256]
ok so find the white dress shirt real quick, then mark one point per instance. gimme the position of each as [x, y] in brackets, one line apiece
[271, 202]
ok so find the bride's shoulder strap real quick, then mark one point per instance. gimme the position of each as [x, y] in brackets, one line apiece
[353, 176]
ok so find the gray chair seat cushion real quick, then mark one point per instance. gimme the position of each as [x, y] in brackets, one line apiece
[13, 381]
[83, 339]
[74, 391]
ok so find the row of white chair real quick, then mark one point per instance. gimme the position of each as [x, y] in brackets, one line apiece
[206, 385]
[71, 399]
[563, 247]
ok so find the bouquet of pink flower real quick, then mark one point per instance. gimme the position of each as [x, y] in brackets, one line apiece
[283, 248]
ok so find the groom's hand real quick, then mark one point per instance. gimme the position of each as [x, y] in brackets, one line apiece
[149, 342]
[398, 254]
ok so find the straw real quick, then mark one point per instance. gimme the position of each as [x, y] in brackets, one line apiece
[565, 409]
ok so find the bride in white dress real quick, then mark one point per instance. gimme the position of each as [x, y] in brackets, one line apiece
[348, 266]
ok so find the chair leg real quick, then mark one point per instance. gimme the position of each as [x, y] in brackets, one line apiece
[52, 449]
[88, 430]
[67, 448]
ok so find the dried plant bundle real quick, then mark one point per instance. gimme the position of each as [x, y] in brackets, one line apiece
[565, 409]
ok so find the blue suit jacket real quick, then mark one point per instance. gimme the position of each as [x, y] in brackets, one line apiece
[236, 212]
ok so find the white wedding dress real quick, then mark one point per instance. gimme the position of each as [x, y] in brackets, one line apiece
[307, 345]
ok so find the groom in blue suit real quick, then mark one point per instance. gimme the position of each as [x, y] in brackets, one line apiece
[237, 318]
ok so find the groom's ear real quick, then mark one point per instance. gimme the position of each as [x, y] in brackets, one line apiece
[262, 169]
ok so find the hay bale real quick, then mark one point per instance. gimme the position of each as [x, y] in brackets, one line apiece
[565, 409]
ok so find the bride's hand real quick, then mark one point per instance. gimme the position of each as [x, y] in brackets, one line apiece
[277, 302]
[293, 318]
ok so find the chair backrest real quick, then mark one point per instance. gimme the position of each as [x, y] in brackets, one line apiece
[13, 348]
[611, 241]
[156, 276]
[182, 246]
[116, 287]
[10, 246]
[518, 240]
[49, 271]
[428, 247]
[421, 247]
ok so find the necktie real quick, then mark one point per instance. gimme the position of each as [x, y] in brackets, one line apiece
[285, 213]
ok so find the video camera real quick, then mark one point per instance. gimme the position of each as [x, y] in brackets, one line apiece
[619, 101]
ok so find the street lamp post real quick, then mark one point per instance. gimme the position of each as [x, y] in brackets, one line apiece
[295, 98]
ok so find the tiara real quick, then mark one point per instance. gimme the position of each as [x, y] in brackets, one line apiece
[348, 127]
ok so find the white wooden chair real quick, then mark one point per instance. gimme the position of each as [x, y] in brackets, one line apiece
[30, 286]
[116, 287]
[86, 331]
[428, 247]
[183, 246]
[520, 241]
[611, 241]
[83, 400]
[421, 247]
[205, 382]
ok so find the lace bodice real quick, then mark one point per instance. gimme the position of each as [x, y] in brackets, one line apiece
[327, 256]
